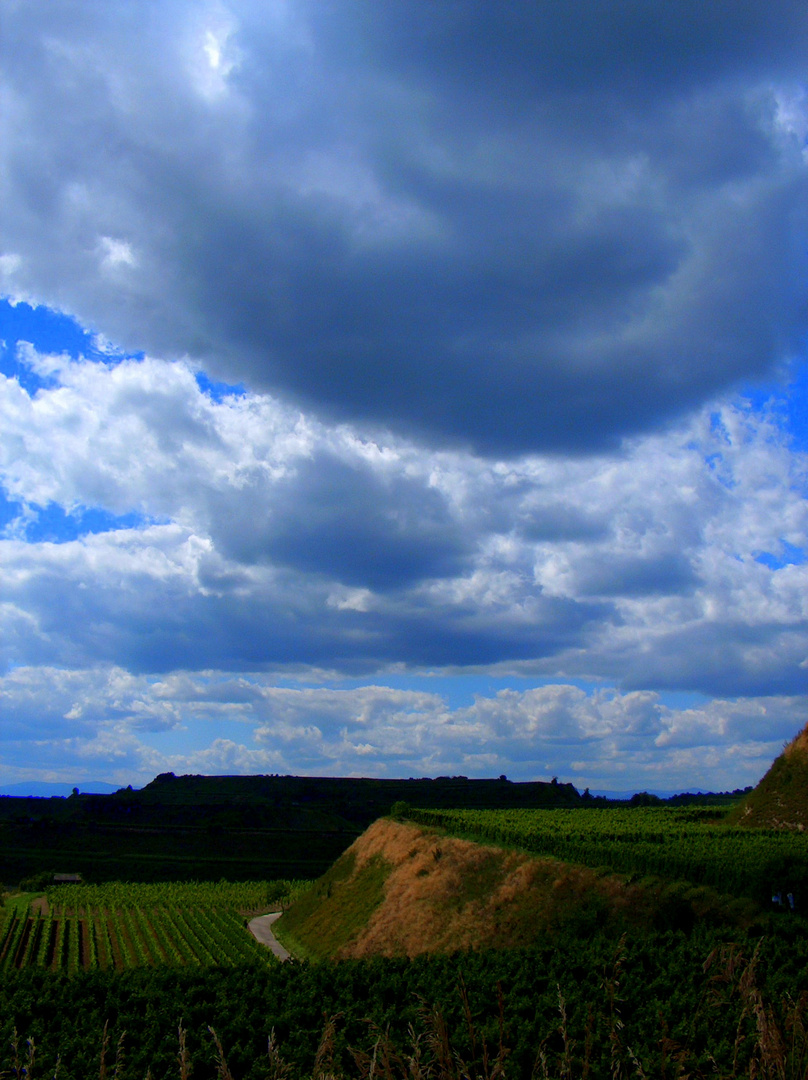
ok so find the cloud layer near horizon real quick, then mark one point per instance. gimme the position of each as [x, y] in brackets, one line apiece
[535, 228]
[124, 724]
[267, 541]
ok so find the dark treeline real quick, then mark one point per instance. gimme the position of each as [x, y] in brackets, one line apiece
[233, 827]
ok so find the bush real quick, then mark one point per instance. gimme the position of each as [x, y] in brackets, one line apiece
[37, 882]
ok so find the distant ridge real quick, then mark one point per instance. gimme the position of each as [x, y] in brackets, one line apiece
[33, 789]
[780, 801]
[237, 827]
[661, 793]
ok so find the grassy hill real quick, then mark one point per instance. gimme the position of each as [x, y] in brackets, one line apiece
[404, 890]
[780, 800]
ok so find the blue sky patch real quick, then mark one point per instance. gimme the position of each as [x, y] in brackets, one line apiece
[786, 400]
[789, 556]
[50, 332]
[218, 391]
[53, 524]
[8, 510]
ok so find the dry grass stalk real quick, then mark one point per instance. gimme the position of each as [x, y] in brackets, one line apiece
[777, 1048]
[222, 1067]
[672, 1055]
[278, 1068]
[566, 1061]
[102, 1064]
[611, 987]
[183, 1057]
[383, 1062]
[589, 1038]
[438, 1042]
[795, 1026]
[118, 1070]
[325, 1058]
[415, 1068]
[23, 1067]
[540, 1067]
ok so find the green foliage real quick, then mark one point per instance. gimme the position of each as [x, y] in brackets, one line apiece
[679, 844]
[37, 882]
[586, 1006]
[239, 895]
[330, 913]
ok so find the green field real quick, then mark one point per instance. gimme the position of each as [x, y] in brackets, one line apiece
[117, 926]
[692, 844]
[672, 1005]
[126, 979]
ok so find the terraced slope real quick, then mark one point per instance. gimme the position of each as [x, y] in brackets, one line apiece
[402, 890]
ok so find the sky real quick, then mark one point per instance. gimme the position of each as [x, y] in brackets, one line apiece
[403, 389]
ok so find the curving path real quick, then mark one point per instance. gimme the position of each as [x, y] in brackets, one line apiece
[261, 930]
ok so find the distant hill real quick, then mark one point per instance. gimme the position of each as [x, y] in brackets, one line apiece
[233, 827]
[360, 799]
[780, 801]
[40, 789]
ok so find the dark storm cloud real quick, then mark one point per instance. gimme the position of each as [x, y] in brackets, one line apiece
[345, 522]
[616, 575]
[531, 227]
[559, 522]
[734, 659]
[623, 45]
[187, 616]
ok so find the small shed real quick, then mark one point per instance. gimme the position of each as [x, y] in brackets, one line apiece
[67, 879]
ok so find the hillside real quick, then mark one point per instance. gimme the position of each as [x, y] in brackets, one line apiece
[403, 890]
[780, 800]
[233, 827]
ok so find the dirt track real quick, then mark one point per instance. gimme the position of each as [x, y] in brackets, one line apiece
[261, 930]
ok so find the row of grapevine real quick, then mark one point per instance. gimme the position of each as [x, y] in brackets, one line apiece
[116, 925]
[94, 938]
[666, 842]
[228, 928]
[243, 896]
[658, 1004]
[11, 941]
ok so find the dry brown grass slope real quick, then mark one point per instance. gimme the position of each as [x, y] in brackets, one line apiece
[427, 892]
[780, 800]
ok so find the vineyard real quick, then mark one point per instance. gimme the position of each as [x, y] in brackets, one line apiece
[660, 1005]
[117, 926]
[681, 844]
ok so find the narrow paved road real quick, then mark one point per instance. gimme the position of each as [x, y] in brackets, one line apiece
[261, 929]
